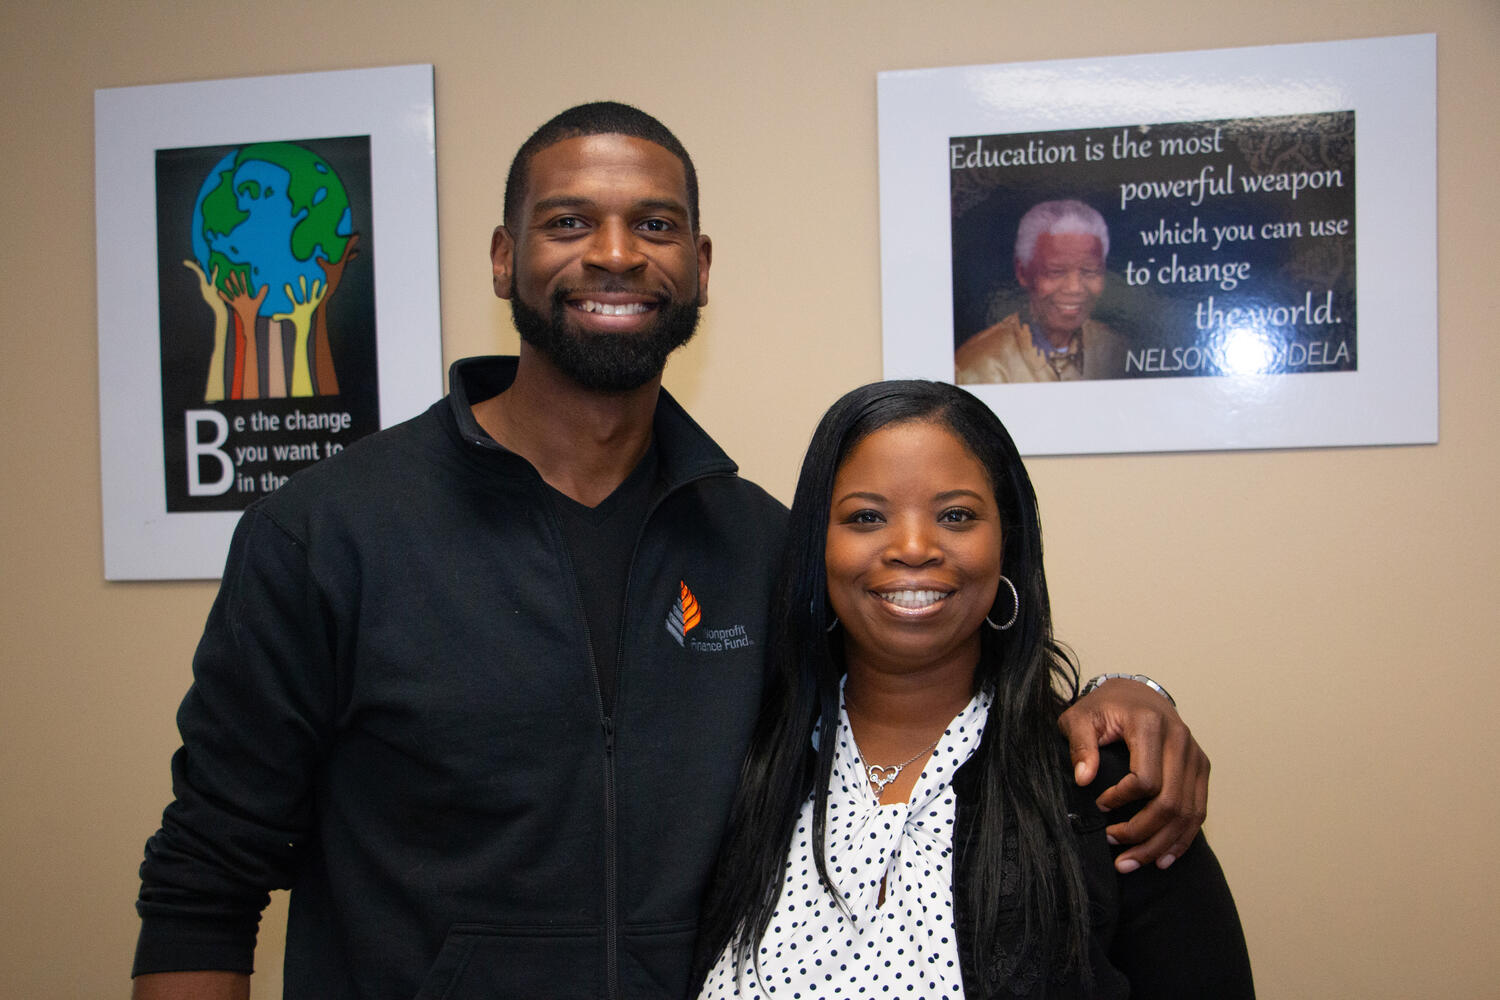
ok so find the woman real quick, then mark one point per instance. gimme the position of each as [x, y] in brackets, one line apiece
[905, 823]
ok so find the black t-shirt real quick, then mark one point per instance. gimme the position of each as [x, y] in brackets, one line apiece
[601, 541]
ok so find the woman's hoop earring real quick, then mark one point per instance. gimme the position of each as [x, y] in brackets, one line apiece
[1015, 608]
[813, 608]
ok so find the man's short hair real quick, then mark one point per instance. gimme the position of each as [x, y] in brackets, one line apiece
[1057, 218]
[598, 118]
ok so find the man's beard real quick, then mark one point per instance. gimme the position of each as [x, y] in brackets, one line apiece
[605, 362]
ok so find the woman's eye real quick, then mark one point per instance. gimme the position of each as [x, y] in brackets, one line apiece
[956, 514]
[865, 517]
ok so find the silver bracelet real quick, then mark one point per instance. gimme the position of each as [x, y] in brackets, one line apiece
[1094, 682]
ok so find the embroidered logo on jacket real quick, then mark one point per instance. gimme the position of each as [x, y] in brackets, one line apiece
[686, 615]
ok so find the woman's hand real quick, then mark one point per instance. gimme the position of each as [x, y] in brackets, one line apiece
[1167, 767]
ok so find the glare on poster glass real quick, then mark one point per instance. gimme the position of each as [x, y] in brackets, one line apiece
[1248, 351]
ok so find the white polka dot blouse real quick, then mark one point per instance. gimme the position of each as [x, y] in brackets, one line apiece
[902, 947]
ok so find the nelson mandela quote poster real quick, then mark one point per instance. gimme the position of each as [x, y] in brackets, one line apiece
[1232, 248]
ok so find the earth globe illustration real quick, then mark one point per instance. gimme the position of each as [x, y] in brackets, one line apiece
[270, 210]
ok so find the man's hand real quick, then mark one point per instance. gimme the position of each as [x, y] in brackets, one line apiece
[191, 986]
[1166, 766]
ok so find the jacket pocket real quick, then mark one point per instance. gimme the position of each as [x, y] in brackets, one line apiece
[482, 961]
[657, 958]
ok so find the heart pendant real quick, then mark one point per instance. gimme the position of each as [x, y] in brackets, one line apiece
[882, 776]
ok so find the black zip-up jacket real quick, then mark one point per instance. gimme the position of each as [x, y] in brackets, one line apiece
[395, 713]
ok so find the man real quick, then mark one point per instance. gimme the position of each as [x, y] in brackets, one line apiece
[1059, 261]
[477, 688]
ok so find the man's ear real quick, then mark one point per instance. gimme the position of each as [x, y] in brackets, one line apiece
[705, 258]
[502, 261]
[1021, 277]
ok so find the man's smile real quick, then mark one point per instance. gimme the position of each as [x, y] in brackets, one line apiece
[612, 309]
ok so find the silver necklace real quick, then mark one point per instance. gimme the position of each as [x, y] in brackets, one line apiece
[882, 775]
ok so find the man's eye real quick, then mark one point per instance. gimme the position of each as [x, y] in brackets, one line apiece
[567, 222]
[657, 226]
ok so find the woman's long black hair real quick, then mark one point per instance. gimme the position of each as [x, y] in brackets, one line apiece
[1022, 773]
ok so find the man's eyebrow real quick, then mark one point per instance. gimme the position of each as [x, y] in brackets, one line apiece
[561, 201]
[667, 205]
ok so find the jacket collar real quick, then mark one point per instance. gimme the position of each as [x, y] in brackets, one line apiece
[685, 450]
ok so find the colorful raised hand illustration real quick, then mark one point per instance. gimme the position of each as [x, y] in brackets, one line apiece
[304, 301]
[245, 382]
[325, 378]
[213, 388]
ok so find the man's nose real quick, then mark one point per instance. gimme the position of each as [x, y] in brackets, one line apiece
[613, 248]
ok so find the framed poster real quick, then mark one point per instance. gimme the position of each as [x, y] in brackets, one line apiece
[268, 293]
[1195, 250]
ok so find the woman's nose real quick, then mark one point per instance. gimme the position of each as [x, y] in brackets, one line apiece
[914, 543]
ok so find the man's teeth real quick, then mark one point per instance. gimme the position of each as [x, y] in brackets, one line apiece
[606, 309]
[913, 599]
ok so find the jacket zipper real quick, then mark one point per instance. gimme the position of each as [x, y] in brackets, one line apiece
[611, 858]
[611, 872]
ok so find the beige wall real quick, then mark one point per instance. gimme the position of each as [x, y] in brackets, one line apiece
[1325, 617]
